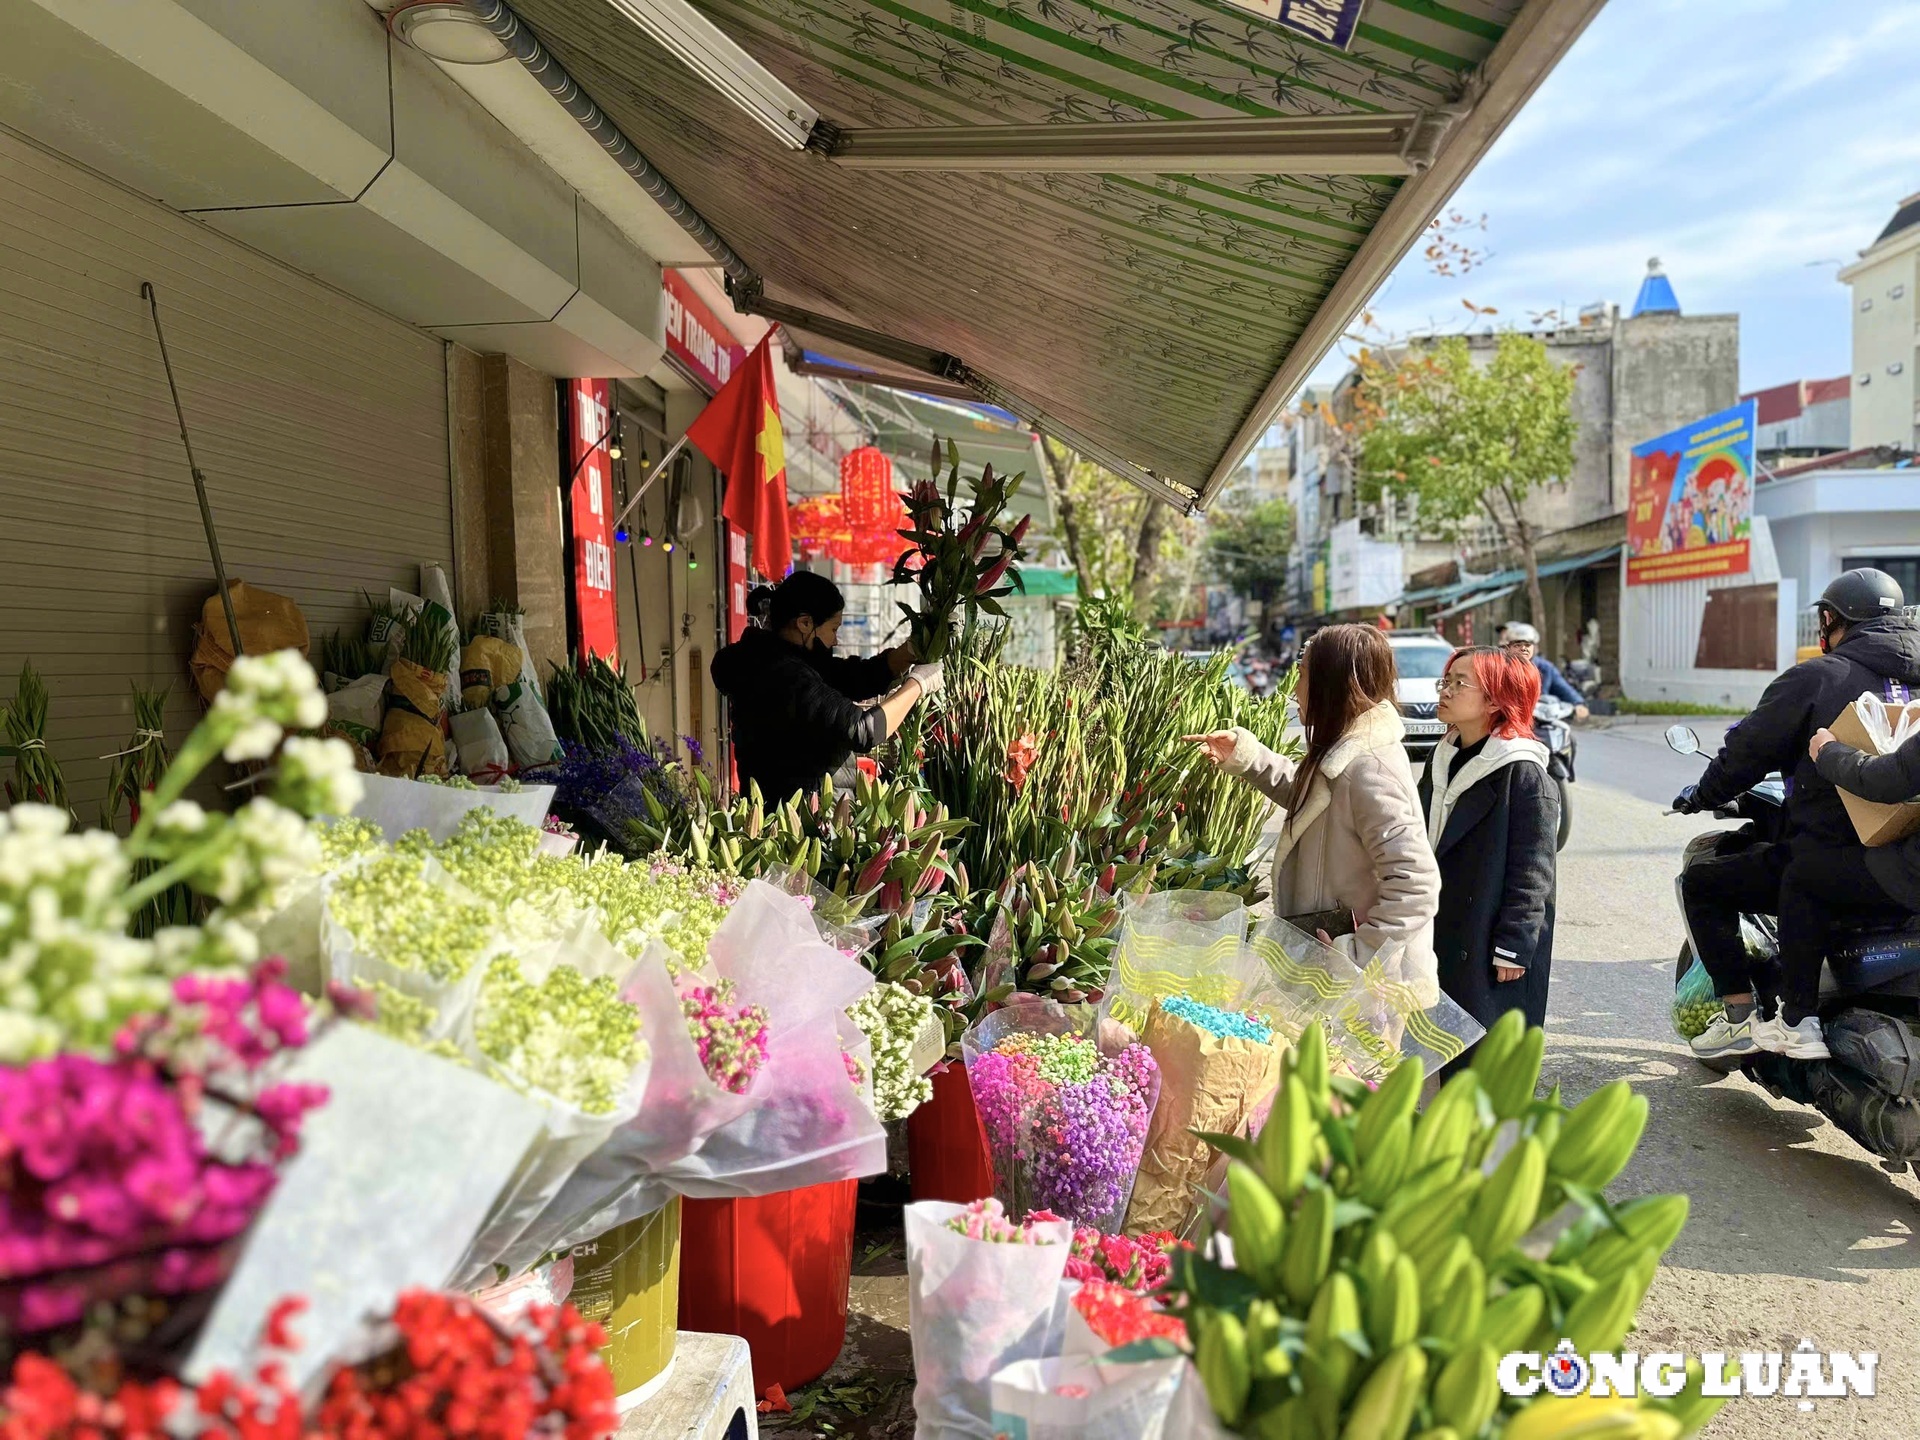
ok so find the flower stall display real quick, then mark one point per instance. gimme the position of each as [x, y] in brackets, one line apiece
[893, 1018]
[1066, 1122]
[982, 1293]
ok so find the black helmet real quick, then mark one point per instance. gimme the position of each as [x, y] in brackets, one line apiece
[1861, 595]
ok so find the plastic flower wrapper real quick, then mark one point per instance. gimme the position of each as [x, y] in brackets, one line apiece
[399, 805]
[1077, 1397]
[394, 1176]
[807, 1124]
[1066, 1118]
[288, 921]
[1392, 1018]
[399, 923]
[1178, 942]
[552, 1025]
[975, 1306]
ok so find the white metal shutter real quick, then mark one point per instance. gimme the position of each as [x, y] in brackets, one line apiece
[321, 426]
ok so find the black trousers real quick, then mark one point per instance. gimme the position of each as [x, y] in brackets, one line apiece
[1814, 890]
[1715, 890]
[1823, 889]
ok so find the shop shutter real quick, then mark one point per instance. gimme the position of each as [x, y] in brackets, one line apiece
[321, 426]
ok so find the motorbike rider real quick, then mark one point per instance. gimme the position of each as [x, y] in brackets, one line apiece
[1522, 641]
[1867, 643]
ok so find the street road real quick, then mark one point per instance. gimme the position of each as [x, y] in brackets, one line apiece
[1795, 1233]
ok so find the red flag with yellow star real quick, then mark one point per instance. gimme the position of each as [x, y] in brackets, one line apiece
[739, 431]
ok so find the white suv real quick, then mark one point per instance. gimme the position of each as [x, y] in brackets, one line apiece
[1421, 657]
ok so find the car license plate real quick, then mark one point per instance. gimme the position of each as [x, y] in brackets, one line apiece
[1425, 728]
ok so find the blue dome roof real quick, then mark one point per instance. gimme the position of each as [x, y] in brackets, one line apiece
[1656, 293]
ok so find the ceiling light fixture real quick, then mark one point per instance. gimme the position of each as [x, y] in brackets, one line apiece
[1272, 145]
[706, 50]
[446, 31]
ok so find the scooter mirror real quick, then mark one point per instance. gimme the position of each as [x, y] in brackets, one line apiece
[1682, 741]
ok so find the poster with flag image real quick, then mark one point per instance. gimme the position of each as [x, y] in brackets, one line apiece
[739, 432]
[1690, 505]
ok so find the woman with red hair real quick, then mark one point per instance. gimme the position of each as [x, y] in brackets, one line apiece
[1492, 814]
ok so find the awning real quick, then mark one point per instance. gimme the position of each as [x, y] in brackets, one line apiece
[1154, 299]
[1479, 597]
[1511, 580]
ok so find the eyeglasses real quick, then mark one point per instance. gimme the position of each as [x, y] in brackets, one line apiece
[1453, 683]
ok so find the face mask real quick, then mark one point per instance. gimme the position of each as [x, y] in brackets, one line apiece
[822, 646]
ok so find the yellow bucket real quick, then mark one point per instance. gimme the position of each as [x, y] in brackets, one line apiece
[629, 1281]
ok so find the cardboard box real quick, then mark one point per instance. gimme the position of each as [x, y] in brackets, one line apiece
[1876, 824]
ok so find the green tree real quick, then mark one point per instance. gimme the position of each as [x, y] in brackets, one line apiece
[1120, 541]
[1248, 548]
[1468, 440]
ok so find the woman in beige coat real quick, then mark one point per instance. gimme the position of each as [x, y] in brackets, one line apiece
[1354, 840]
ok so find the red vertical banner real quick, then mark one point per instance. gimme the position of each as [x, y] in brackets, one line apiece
[590, 518]
[737, 582]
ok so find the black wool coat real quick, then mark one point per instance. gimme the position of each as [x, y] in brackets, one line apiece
[1497, 883]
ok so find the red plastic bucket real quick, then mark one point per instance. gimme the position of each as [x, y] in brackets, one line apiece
[946, 1146]
[775, 1271]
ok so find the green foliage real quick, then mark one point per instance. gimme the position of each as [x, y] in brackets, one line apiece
[1387, 1261]
[1248, 548]
[36, 774]
[592, 705]
[1466, 440]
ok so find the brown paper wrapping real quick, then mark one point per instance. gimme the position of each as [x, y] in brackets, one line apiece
[1207, 1082]
[1876, 824]
[487, 664]
[411, 746]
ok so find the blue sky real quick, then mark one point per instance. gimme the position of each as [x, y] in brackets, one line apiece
[1741, 141]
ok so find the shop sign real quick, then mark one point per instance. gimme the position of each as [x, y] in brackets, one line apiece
[736, 581]
[1331, 22]
[695, 335]
[590, 519]
[1690, 502]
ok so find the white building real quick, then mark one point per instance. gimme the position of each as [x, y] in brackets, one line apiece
[1886, 342]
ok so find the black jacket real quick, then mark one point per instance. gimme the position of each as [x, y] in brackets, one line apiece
[1497, 883]
[1881, 656]
[1887, 779]
[792, 712]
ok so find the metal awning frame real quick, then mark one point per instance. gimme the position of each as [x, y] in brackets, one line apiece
[1502, 85]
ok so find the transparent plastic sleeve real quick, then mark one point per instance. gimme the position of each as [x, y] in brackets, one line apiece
[1064, 1135]
[1078, 1398]
[399, 805]
[1177, 942]
[348, 963]
[807, 1124]
[973, 1308]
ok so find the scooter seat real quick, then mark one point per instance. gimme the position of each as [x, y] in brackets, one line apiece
[1873, 960]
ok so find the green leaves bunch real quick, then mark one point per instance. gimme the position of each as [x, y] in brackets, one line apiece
[1386, 1259]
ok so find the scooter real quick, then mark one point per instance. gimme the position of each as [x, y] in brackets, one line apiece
[1869, 998]
[1550, 727]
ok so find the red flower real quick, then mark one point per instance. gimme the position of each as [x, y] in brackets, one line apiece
[1021, 755]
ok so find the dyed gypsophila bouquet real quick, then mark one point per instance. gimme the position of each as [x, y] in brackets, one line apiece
[70, 975]
[1065, 1124]
[891, 1016]
[132, 1175]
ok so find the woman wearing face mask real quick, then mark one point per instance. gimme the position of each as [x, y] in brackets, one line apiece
[1492, 814]
[792, 705]
[1352, 856]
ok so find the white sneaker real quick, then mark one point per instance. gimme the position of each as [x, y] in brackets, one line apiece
[1804, 1041]
[1724, 1038]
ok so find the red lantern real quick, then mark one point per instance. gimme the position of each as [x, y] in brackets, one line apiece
[867, 499]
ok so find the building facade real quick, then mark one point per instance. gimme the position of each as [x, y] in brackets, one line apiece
[1885, 282]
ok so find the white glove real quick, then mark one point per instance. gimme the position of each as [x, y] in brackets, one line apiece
[931, 677]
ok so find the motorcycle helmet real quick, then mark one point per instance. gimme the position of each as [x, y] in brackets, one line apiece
[1518, 632]
[1861, 595]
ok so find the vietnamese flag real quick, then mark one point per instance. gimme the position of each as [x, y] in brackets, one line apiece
[739, 432]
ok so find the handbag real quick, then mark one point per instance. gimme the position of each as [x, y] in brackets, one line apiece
[1334, 923]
